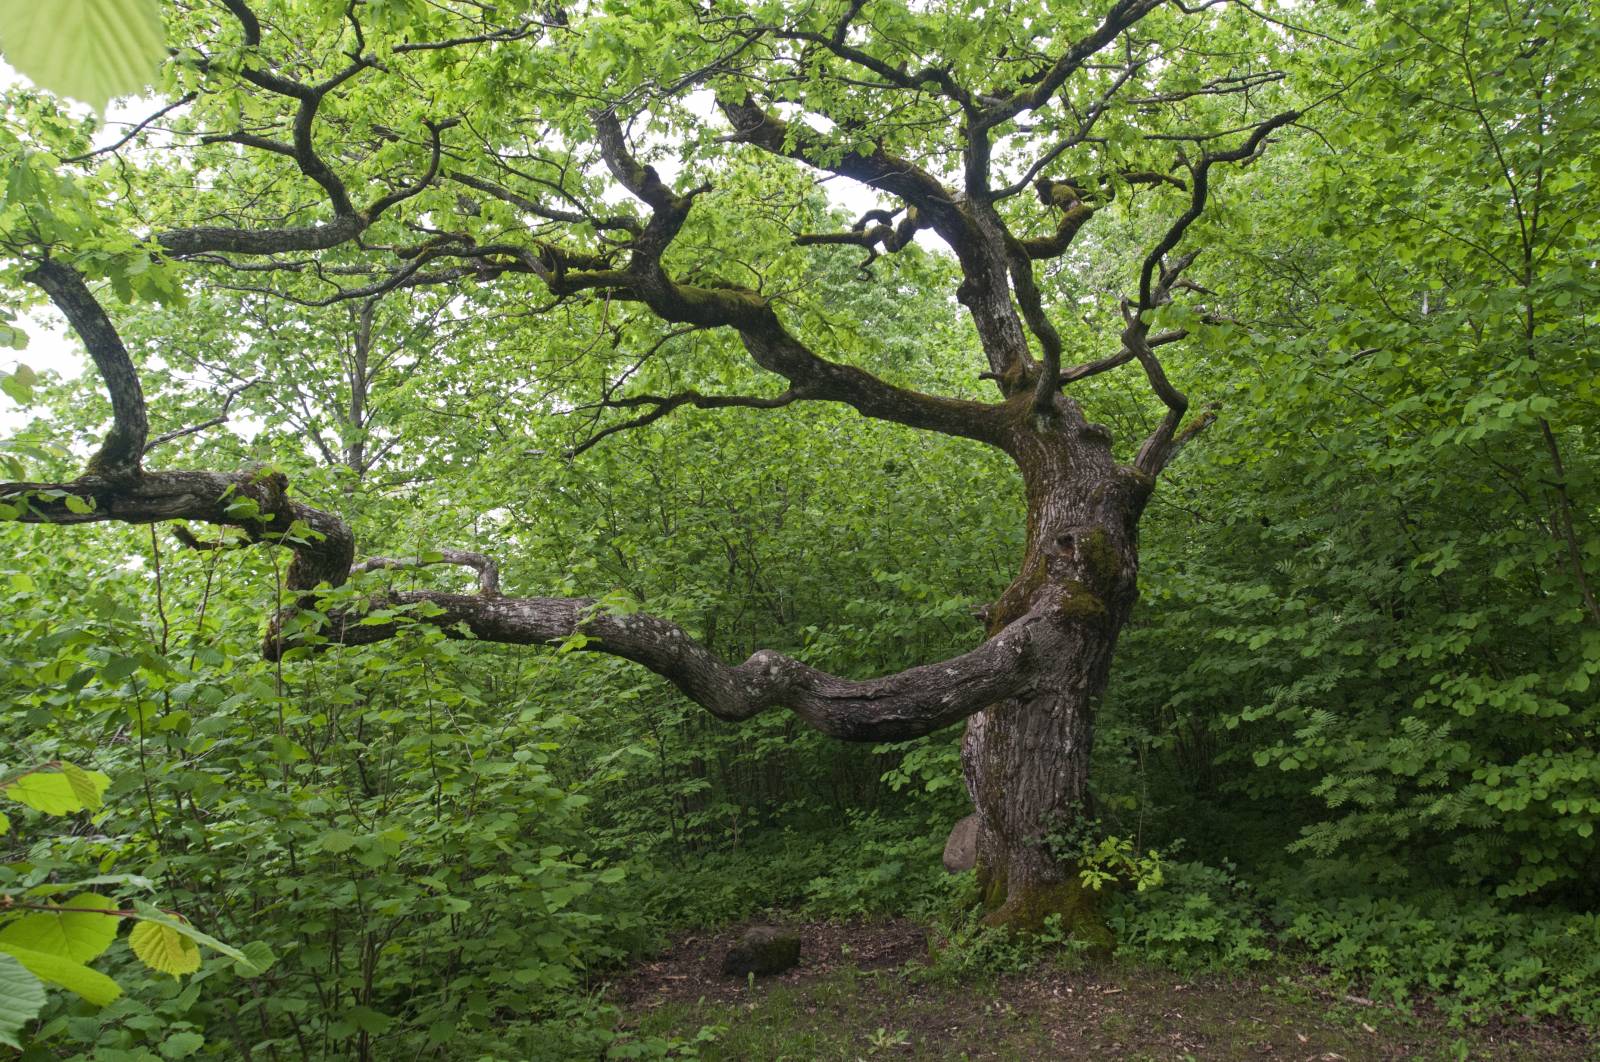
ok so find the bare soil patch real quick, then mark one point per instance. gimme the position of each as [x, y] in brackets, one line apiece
[853, 996]
[690, 968]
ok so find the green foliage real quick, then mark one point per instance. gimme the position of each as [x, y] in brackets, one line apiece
[44, 941]
[962, 949]
[889, 867]
[21, 997]
[1103, 860]
[1362, 674]
[1474, 958]
[1201, 917]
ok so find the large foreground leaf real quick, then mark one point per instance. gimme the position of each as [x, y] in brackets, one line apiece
[154, 915]
[92, 985]
[21, 997]
[74, 932]
[58, 789]
[90, 50]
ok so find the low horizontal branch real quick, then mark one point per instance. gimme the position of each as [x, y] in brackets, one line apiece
[257, 502]
[893, 707]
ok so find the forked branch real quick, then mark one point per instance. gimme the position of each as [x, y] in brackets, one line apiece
[486, 567]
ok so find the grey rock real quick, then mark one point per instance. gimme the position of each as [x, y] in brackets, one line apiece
[763, 950]
[961, 850]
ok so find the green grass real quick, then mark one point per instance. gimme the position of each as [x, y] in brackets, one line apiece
[1052, 1012]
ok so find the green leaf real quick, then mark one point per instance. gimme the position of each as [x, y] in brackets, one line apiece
[164, 949]
[367, 1020]
[21, 998]
[90, 50]
[117, 669]
[17, 385]
[337, 841]
[156, 916]
[59, 789]
[79, 935]
[92, 985]
[50, 888]
[88, 787]
[78, 504]
[260, 960]
[181, 1045]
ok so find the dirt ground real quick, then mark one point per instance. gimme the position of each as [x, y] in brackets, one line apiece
[872, 990]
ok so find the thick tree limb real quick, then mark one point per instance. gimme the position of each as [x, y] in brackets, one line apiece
[124, 445]
[1156, 280]
[875, 229]
[256, 502]
[1122, 16]
[348, 221]
[751, 315]
[880, 169]
[895, 707]
[1199, 189]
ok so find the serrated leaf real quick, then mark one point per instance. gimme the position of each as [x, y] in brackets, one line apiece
[368, 1020]
[260, 960]
[79, 935]
[155, 915]
[90, 50]
[59, 789]
[337, 841]
[164, 949]
[88, 787]
[21, 999]
[92, 985]
[117, 669]
[181, 1045]
[15, 387]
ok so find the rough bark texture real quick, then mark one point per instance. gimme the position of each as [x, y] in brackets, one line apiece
[1026, 758]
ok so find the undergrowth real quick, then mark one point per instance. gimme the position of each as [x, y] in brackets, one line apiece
[1473, 959]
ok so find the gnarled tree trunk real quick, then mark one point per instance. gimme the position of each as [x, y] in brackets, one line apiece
[1026, 759]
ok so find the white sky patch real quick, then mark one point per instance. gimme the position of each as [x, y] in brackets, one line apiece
[51, 345]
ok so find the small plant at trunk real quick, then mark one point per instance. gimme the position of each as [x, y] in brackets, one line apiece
[1103, 860]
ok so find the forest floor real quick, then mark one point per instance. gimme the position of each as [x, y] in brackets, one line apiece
[867, 991]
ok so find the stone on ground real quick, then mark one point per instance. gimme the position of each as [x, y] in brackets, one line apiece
[763, 950]
[961, 850]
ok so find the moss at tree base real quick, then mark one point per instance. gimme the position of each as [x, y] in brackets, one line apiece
[1027, 908]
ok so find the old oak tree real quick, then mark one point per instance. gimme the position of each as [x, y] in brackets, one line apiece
[348, 152]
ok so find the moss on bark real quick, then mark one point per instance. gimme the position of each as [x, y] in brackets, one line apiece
[1026, 909]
